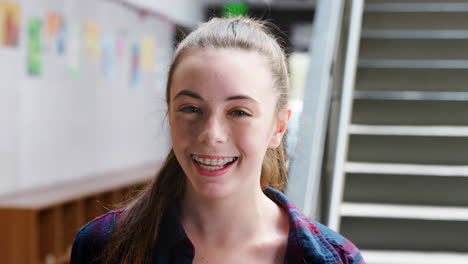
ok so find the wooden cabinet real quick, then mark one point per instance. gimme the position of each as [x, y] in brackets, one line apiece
[38, 226]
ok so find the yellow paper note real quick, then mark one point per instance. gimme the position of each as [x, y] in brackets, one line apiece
[91, 38]
[147, 52]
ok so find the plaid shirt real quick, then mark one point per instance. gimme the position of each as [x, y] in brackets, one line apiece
[309, 242]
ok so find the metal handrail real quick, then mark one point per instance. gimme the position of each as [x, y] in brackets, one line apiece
[305, 169]
[351, 63]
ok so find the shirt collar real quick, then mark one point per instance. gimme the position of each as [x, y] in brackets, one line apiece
[305, 242]
[172, 233]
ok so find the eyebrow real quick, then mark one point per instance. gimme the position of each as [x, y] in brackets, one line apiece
[197, 96]
[189, 94]
[240, 97]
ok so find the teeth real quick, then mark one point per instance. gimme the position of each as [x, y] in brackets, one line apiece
[211, 168]
[213, 162]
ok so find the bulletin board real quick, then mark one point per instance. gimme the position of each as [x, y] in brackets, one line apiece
[81, 90]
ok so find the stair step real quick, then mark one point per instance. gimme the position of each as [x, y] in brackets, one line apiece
[414, 64]
[411, 113]
[416, 7]
[429, 80]
[415, 34]
[406, 169]
[412, 257]
[406, 189]
[400, 211]
[411, 95]
[424, 131]
[414, 49]
[408, 149]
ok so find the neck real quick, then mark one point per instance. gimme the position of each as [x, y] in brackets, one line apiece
[228, 220]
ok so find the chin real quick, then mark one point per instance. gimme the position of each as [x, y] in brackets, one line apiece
[212, 191]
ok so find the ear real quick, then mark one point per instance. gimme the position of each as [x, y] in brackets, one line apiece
[280, 128]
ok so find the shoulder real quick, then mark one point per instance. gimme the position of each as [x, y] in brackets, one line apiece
[91, 238]
[312, 240]
[315, 238]
[344, 247]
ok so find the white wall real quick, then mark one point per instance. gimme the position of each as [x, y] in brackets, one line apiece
[185, 12]
[55, 127]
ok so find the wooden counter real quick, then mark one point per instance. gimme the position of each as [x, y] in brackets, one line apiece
[39, 225]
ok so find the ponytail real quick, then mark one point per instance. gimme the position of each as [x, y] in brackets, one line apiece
[135, 232]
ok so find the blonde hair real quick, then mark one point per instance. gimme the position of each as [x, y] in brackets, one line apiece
[132, 239]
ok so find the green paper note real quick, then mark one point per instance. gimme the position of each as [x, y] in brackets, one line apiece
[34, 47]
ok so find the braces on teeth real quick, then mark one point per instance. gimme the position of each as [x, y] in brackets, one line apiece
[210, 168]
[219, 163]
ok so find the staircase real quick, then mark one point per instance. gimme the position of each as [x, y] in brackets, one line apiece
[405, 192]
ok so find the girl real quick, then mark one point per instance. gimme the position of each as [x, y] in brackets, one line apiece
[217, 198]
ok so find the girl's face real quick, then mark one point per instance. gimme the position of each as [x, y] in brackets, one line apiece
[223, 117]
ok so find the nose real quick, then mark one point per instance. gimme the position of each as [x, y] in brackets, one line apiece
[212, 130]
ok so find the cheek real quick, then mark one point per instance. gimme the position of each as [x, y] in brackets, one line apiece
[181, 130]
[254, 136]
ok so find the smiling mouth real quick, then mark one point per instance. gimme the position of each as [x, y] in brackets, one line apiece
[213, 163]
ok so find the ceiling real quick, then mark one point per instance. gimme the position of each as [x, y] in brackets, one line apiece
[275, 3]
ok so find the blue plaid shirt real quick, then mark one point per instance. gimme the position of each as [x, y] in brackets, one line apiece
[308, 242]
